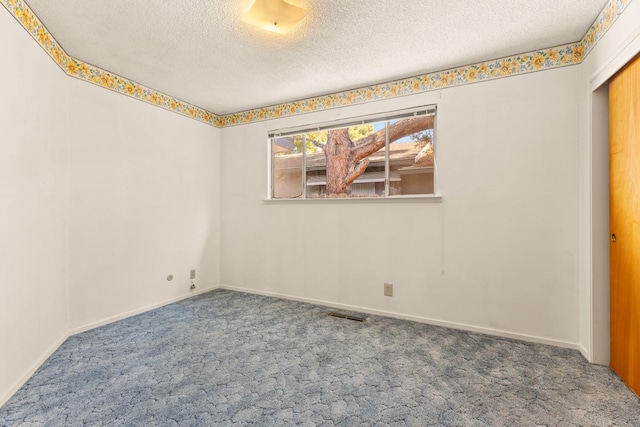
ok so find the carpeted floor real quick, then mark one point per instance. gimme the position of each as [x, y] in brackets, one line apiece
[227, 359]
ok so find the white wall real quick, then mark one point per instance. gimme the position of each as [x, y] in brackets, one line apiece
[620, 44]
[34, 194]
[101, 197]
[144, 203]
[498, 254]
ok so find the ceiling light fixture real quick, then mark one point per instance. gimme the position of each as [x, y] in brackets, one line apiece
[277, 16]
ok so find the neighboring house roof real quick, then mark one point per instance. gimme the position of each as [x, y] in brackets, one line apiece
[407, 154]
[367, 177]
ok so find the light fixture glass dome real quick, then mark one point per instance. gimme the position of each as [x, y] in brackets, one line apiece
[274, 15]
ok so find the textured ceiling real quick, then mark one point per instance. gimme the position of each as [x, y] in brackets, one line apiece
[203, 53]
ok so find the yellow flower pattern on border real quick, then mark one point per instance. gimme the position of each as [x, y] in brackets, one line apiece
[560, 56]
[72, 67]
[83, 71]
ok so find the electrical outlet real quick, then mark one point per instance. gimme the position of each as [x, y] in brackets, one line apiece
[388, 289]
[193, 274]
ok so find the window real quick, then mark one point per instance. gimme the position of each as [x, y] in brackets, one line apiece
[376, 156]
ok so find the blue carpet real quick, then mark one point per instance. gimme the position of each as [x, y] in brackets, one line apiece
[233, 359]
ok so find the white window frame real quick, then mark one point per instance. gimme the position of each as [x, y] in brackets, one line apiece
[355, 121]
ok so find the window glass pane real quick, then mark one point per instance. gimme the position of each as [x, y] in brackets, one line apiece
[411, 156]
[316, 164]
[353, 161]
[336, 168]
[370, 138]
[286, 162]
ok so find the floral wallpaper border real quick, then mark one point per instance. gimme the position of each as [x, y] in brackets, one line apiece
[605, 20]
[545, 59]
[92, 74]
[561, 56]
[570, 54]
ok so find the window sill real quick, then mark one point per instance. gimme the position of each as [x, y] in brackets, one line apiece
[427, 198]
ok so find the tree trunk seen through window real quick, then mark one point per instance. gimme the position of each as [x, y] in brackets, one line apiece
[347, 160]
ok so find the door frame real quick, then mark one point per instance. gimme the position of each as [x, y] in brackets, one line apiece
[594, 207]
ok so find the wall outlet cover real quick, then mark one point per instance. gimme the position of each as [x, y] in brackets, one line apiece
[388, 289]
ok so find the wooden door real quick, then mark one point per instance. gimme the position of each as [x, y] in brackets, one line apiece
[624, 150]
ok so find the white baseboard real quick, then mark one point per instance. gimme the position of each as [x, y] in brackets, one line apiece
[25, 377]
[584, 353]
[137, 311]
[436, 322]
[488, 331]
[5, 398]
